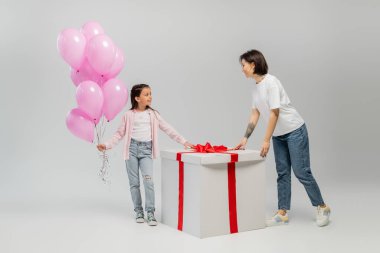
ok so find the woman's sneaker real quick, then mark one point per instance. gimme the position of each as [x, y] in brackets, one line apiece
[278, 219]
[140, 217]
[151, 220]
[323, 216]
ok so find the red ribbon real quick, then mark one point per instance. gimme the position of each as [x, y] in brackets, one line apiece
[208, 148]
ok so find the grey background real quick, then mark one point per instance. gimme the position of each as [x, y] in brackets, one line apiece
[326, 54]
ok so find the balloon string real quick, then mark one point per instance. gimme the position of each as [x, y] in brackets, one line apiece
[104, 129]
[97, 133]
[104, 168]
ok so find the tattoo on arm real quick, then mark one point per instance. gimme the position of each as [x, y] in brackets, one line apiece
[249, 130]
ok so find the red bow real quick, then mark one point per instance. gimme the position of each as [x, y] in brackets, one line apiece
[208, 148]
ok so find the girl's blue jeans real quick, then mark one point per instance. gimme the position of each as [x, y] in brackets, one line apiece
[140, 159]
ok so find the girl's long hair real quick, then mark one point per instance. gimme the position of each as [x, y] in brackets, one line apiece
[135, 92]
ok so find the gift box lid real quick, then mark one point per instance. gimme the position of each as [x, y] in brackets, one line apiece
[212, 158]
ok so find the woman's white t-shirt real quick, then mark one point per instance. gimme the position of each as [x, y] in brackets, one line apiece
[141, 130]
[270, 94]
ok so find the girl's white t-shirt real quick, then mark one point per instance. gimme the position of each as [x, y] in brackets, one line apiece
[141, 130]
[270, 94]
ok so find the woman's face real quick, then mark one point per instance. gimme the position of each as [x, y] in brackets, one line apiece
[145, 97]
[247, 68]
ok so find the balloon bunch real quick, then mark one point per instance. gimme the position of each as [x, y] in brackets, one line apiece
[94, 61]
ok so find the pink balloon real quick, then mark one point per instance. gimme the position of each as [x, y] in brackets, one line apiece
[91, 29]
[90, 99]
[117, 65]
[80, 125]
[97, 120]
[115, 97]
[71, 46]
[84, 73]
[101, 53]
[102, 81]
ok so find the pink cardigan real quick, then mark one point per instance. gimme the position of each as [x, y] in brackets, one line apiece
[156, 121]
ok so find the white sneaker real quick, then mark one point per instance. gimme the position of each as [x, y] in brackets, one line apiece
[323, 215]
[140, 217]
[151, 219]
[278, 219]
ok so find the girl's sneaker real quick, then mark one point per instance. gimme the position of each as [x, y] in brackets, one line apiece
[278, 219]
[323, 216]
[140, 217]
[151, 220]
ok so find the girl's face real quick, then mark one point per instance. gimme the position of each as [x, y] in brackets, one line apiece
[247, 68]
[145, 98]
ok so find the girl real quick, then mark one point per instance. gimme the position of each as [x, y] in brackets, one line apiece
[290, 137]
[139, 129]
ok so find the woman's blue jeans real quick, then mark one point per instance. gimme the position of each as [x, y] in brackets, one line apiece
[292, 151]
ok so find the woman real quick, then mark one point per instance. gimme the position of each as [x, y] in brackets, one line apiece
[289, 135]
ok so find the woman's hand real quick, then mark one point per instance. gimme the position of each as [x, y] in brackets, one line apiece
[242, 144]
[265, 148]
[101, 147]
[188, 145]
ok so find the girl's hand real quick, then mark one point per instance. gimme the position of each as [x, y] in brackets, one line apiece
[188, 145]
[242, 144]
[265, 149]
[101, 147]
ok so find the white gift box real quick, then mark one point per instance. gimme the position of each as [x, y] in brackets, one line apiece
[209, 189]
